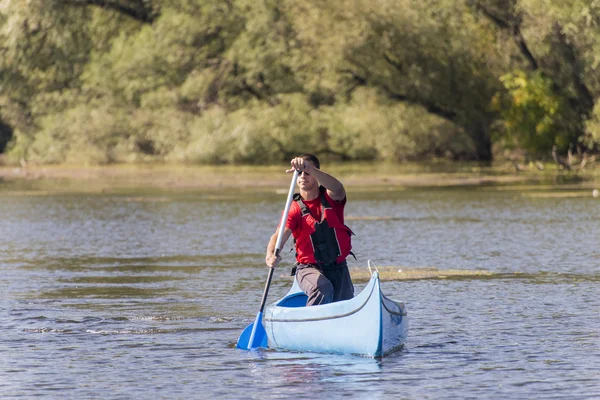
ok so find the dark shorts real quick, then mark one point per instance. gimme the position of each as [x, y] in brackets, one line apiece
[325, 285]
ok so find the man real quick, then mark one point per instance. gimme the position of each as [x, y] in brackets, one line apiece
[316, 220]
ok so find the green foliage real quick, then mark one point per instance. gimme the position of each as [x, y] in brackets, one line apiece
[241, 81]
[88, 133]
[579, 21]
[431, 56]
[370, 127]
[36, 55]
[263, 54]
[255, 134]
[592, 137]
[534, 117]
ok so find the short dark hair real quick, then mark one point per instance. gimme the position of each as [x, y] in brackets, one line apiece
[312, 158]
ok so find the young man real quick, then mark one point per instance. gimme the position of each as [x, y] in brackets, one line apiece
[316, 220]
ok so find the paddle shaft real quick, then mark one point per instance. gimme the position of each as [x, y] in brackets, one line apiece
[279, 237]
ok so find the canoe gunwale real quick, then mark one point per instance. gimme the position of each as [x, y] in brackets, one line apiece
[328, 317]
[402, 314]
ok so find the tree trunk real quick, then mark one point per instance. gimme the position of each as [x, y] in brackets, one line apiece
[6, 134]
[480, 133]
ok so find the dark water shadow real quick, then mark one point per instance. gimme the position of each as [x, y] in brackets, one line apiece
[105, 292]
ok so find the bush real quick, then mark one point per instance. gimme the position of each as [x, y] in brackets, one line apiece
[256, 134]
[534, 117]
[85, 133]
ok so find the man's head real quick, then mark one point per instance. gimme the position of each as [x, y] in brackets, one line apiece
[306, 181]
[312, 158]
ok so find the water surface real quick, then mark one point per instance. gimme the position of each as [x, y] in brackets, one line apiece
[143, 294]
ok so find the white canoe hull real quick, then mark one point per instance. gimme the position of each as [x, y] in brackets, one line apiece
[370, 324]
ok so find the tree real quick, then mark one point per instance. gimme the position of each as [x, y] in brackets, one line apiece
[434, 56]
[548, 98]
[225, 81]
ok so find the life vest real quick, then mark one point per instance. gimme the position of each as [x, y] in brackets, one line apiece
[324, 242]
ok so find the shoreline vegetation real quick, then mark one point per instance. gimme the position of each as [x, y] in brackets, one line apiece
[357, 176]
[245, 82]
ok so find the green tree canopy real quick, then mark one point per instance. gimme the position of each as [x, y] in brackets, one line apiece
[239, 81]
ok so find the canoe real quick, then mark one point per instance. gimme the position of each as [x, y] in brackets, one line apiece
[370, 324]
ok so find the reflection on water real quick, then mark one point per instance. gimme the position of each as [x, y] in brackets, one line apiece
[144, 295]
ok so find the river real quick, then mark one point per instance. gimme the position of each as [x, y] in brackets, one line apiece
[143, 294]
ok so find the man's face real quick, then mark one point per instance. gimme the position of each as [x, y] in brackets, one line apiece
[305, 181]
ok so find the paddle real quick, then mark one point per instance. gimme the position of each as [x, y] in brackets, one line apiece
[255, 335]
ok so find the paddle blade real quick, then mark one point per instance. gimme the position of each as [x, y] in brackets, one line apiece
[253, 336]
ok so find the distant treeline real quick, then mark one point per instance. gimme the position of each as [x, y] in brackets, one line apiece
[246, 81]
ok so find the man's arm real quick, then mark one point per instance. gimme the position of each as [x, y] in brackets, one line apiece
[271, 260]
[334, 187]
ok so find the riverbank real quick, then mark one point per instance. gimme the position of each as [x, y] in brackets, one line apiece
[357, 175]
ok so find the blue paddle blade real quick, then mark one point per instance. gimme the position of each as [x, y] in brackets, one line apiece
[253, 336]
